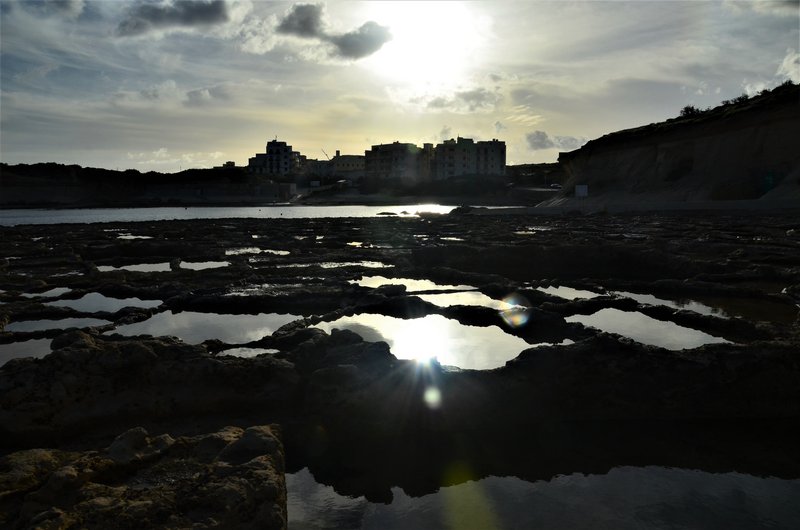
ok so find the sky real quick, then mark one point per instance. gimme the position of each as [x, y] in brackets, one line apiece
[174, 84]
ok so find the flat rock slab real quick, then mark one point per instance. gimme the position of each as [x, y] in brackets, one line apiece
[232, 478]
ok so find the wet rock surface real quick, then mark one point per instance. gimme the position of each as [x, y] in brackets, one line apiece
[583, 399]
[232, 478]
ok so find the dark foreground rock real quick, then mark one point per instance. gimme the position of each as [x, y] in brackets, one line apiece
[358, 417]
[232, 478]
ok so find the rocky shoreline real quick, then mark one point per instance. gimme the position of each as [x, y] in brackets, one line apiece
[112, 425]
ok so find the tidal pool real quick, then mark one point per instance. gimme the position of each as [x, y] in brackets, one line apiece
[690, 305]
[337, 264]
[434, 336]
[64, 323]
[56, 291]
[411, 284]
[203, 265]
[246, 353]
[645, 329]
[625, 498]
[27, 348]
[568, 293]
[194, 327]
[137, 267]
[466, 298]
[94, 302]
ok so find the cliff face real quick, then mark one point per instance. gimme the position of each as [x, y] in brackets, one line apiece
[744, 150]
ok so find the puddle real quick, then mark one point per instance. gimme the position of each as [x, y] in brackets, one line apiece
[131, 236]
[56, 291]
[244, 250]
[194, 327]
[466, 298]
[568, 293]
[138, 267]
[434, 336]
[28, 348]
[646, 330]
[337, 265]
[624, 498]
[452, 238]
[64, 323]
[94, 302]
[247, 353]
[357, 244]
[203, 265]
[265, 288]
[411, 284]
[755, 310]
[690, 305]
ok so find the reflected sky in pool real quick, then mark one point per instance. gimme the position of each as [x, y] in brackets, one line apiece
[137, 267]
[56, 291]
[28, 348]
[246, 353]
[465, 298]
[194, 327]
[690, 305]
[452, 343]
[411, 284]
[64, 323]
[93, 302]
[625, 498]
[645, 329]
[203, 265]
[568, 293]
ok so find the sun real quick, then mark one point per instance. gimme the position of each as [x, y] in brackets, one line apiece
[434, 46]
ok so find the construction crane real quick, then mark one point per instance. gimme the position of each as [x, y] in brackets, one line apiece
[326, 154]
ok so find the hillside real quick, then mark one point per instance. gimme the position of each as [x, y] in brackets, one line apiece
[746, 149]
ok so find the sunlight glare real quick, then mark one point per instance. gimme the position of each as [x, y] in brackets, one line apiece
[433, 44]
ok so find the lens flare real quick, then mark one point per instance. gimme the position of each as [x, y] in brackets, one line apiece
[432, 397]
[518, 312]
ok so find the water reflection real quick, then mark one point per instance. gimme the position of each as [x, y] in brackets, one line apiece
[411, 284]
[246, 353]
[196, 327]
[64, 323]
[690, 305]
[645, 329]
[568, 293]
[203, 265]
[337, 264]
[56, 291]
[28, 348]
[94, 302]
[624, 498]
[466, 298]
[137, 267]
[434, 336]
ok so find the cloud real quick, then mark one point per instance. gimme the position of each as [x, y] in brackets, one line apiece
[307, 21]
[144, 18]
[772, 7]
[65, 8]
[446, 133]
[499, 127]
[364, 41]
[790, 66]
[540, 140]
[474, 100]
[304, 20]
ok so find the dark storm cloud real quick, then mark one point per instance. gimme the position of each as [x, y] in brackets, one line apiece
[304, 20]
[540, 140]
[308, 21]
[362, 42]
[144, 18]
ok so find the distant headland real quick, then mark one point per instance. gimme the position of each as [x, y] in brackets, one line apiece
[743, 150]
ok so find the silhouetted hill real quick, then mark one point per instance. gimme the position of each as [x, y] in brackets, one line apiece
[743, 149]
